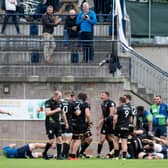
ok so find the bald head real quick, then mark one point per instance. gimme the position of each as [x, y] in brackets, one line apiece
[57, 95]
[85, 7]
[72, 13]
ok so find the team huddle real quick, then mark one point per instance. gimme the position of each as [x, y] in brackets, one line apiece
[128, 130]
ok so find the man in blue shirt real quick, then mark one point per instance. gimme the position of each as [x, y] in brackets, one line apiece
[25, 151]
[159, 111]
[86, 19]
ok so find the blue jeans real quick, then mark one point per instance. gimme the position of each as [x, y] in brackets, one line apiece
[14, 19]
[68, 36]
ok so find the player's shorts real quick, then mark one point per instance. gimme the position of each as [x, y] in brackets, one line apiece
[107, 129]
[121, 132]
[66, 131]
[24, 152]
[53, 130]
[160, 131]
[78, 131]
[77, 136]
[87, 133]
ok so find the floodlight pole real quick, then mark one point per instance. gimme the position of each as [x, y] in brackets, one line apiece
[113, 12]
[149, 26]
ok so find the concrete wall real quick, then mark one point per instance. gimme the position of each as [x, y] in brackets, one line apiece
[20, 131]
[157, 54]
[32, 131]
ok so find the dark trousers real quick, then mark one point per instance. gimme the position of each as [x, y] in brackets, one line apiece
[14, 19]
[88, 51]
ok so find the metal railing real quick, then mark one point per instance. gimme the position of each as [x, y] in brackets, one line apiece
[103, 29]
[147, 75]
[16, 59]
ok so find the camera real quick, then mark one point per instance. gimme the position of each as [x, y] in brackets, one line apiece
[86, 16]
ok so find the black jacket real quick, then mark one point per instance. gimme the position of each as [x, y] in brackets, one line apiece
[114, 63]
[48, 23]
[69, 23]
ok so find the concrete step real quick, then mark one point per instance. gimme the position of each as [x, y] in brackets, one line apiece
[54, 70]
[139, 91]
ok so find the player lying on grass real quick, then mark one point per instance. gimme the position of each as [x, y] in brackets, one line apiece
[25, 151]
[156, 148]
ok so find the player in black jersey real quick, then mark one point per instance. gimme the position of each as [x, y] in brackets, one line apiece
[106, 122]
[54, 114]
[67, 107]
[121, 123]
[80, 121]
[133, 109]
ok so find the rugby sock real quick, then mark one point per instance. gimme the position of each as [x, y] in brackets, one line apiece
[116, 153]
[65, 149]
[84, 147]
[111, 145]
[47, 147]
[99, 149]
[124, 155]
[59, 147]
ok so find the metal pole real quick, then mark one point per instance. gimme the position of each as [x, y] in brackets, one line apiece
[113, 11]
[24, 122]
[149, 19]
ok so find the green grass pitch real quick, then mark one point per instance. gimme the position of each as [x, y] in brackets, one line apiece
[81, 163]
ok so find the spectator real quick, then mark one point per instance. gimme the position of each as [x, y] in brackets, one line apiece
[71, 30]
[20, 11]
[10, 8]
[49, 22]
[41, 9]
[159, 111]
[90, 2]
[102, 7]
[86, 19]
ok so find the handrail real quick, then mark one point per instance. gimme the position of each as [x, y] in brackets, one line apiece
[55, 14]
[133, 52]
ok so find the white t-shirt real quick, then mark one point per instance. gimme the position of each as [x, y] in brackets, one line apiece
[10, 5]
[157, 148]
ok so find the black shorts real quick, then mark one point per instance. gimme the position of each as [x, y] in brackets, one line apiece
[121, 132]
[107, 129]
[78, 131]
[53, 130]
[87, 133]
[24, 152]
[65, 131]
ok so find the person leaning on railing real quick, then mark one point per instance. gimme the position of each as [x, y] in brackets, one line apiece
[49, 21]
[71, 30]
[10, 9]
